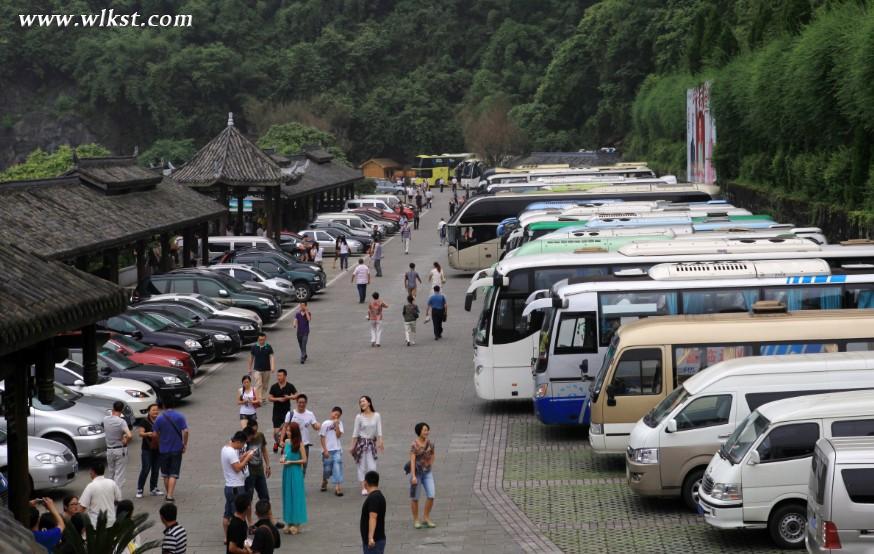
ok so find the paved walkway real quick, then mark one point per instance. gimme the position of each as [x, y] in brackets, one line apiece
[430, 382]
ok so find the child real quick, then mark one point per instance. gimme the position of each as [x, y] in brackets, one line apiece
[332, 452]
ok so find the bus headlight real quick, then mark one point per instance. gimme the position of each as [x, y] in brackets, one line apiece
[541, 390]
[645, 455]
[727, 492]
[596, 429]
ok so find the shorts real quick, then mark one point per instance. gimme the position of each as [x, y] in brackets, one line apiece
[278, 420]
[230, 494]
[251, 418]
[425, 481]
[171, 464]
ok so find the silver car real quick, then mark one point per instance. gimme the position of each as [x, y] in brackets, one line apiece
[77, 426]
[51, 464]
[247, 274]
[329, 243]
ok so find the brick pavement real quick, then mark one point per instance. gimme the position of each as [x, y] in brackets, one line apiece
[430, 381]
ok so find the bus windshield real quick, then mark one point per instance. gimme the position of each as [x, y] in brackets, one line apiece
[665, 407]
[605, 365]
[481, 333]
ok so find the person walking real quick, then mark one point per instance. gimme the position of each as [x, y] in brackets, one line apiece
[318, 252]
[332, 451]
[259, 464]
[419, 199]
[302, 318]
[372, 523]
[175, 539]
[366, 439]
[436, 276]
[437, 312]
[421, 477]
[406, 235]
[343, 249]
[101, 495]
[416, 218]
[442, 183]
[294, 503]
[441, 231]
[305, 420]
[376, 255]
[234, 470]
[262, 363]
[374, 316]
[451, 207]
[281, 394]
[412, 280]
[411, 314]
[248, 401]
[150, 455]
[172, 432]
[361, 278]
[429, 197]
[117, 436]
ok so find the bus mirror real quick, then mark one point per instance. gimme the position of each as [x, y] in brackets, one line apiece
[468, 301]
[611, 395]
[556, 302]
[754, 458]
[584, 367]
[671, 426]
[505, 281]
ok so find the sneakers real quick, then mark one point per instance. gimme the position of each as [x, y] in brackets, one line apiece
[417, 525]
[157, 492]
[139, 494]
[276, 447]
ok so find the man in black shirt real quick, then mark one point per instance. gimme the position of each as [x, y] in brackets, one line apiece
[238, 529]
[373, 516]
[266, 534]
[262, 361]
[281, 394]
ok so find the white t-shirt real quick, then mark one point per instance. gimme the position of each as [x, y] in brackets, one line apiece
[331, 440]
[230, 456]
[367, 427]
[435, 277]
[361, 273]
[100, 495]
[305, 421]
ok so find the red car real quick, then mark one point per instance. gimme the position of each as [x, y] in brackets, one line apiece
[376, 212]
[152, 355]
[406, 210]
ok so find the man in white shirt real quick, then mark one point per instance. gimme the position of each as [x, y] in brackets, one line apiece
[100, 495]
[332, 451]
[361, 278]
[235, 471]
[306, 420]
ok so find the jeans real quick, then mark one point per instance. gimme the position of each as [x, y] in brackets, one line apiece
[425, 481]
[148, 468]
[116, 464]
[410, 331]
[362, 292]
[332, 467]
[344, 261]
[258, 483]
[437, 320]
[375, 331]
[230, 494]
[302, 342]
[378, 548]
[377, 265]
[306, 463]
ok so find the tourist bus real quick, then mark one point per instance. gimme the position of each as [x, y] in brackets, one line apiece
[472, 231]
[599, 305]
[504, 340]
[575, 183]
[469, 173]
[665, 351]
[526, 175]
[432, 167]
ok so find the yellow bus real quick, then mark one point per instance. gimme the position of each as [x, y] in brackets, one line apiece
[432, 167]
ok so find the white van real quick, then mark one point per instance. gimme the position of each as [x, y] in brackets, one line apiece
[220, 244]
[350, 220]
[390, 199]
[670, 447]
[840, 496]
[367, 203]
[759, 477]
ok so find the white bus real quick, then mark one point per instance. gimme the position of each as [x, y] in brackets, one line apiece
[582, 315]
[504, 341]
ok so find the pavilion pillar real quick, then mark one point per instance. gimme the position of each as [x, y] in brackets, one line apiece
[204, 243]
[240, 193]
[110, 262]
[277, 215]
[140, 250]
[312, 207]
[189, 244]
[89, 354]
[269, 211]
[223, 200]
[45, 371]
[16, 399]
[165, 252]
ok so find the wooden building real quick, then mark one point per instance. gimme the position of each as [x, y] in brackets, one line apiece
[380, 168]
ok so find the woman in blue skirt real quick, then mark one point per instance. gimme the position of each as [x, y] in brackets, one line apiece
[294, 501]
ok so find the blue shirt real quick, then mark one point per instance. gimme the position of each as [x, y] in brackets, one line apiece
[169, 439]
[437, 302]
[49, 538]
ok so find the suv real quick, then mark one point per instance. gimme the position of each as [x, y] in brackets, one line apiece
[219, 287]
[273, 263]
[146, 329]
[361, 236]
[190, 308]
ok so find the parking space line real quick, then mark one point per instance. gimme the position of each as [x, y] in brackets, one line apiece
[201, 378]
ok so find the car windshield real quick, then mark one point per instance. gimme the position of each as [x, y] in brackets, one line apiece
[666, 406]
[130, 343]
[116, 360]
[743, 438]
[73, 364]
[57, 404]
[210, 302]
[148, 321]
[172, 319]
[66, 393]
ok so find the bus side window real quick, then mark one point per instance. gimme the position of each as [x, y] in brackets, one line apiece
[638, 372]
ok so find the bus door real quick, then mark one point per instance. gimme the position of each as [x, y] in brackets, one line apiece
[640, 379]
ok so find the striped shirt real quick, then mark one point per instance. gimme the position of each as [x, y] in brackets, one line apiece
[175, 540]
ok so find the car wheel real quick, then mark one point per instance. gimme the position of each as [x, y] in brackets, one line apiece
[691, 484]
[302, 292]
[66, 441]
[787, 525]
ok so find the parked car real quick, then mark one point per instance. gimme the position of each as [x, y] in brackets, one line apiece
[246, 328]
[220, 288]
[372, 218]
[367, 203]
[227, 343]
[361, 236]
[99, 401]
[389, 187]
[246, 275]
[278, 264]
[327, 239]
[209, 304]
[346, 218]
[169, 384]
[50, 464]
[392, 216]
[221, 243]
[146, 329]
[151, 355]
[138, 395]
[76, 425]
[292, 259]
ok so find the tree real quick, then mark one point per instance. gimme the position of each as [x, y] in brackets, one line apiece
[175, 151]
[290, 138]
[110, 540]
[41, 164]
[492, 134]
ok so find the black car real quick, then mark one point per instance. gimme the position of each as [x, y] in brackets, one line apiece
[220, 288]
[145, 328]
[274, 263]
[246, 328]
[226, 342]
[336, 229]
[170, 384]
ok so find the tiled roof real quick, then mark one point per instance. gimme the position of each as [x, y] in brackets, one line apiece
[314, 177]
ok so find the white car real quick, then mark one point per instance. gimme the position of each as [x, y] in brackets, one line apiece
[50, 463]
[138, 395]
[208, 304]
[248, 274]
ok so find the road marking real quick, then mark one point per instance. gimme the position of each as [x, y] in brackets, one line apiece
[201, 378]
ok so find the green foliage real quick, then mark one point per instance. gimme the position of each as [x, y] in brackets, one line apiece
[176, 151]
[110, 540]
[41, 164]
[290, 138]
